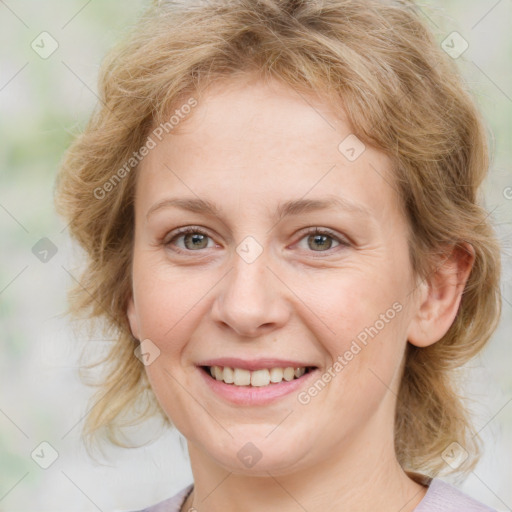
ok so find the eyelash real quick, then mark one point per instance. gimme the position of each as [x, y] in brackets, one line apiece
[327, 232]
[185, 231]
[316, 231]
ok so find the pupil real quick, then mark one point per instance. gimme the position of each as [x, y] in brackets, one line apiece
[196, 238]
[322, 241]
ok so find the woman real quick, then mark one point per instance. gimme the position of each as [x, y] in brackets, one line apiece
[279, 201]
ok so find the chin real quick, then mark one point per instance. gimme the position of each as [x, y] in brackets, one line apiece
[261, 456]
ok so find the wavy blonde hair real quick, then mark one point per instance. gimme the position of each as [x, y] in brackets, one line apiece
[402, 94]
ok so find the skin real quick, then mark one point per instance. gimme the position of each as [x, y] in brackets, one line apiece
[249, 146]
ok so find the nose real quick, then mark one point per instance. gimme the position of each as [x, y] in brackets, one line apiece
[251, 300]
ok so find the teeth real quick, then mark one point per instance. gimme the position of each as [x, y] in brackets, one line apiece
[260, 378]
[289, 373]
[276, 375]
[241, 377]
[229, 375]
[256, 378]
[299, 372]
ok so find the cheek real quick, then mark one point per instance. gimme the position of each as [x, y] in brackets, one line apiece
[169, 303]
[353, 302]
[169, 306]
[366, 337]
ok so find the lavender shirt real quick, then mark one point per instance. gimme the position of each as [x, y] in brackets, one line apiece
[440, 497]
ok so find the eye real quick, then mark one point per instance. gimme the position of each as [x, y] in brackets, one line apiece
[193, 239]
[322, 240]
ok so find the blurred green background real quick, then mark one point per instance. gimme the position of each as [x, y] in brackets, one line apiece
[43, 103]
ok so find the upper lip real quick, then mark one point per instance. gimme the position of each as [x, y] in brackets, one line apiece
[254, 364]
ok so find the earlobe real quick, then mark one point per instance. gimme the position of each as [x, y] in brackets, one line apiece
[440, 297]
[132, 318]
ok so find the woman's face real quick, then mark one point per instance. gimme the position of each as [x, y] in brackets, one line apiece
[253, 172]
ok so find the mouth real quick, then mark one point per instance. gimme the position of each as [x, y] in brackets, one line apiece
[263, 377]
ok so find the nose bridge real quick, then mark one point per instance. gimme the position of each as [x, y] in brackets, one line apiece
[250, 300]
[248, 277]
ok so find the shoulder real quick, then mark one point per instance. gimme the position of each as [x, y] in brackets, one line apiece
[443, 497]
[173, 504]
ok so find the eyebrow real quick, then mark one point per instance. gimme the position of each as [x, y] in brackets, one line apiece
[292, 207]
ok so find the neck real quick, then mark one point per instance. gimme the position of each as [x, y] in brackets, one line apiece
[346, 480]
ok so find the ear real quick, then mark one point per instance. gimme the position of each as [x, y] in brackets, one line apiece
[132, 318]
[440, 295]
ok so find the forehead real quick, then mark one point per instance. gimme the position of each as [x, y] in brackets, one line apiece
[264, 141]
[251, 112]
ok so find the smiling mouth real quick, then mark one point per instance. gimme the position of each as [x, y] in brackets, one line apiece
[255, 378]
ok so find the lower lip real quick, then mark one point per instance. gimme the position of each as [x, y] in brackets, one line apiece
[255, 395]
